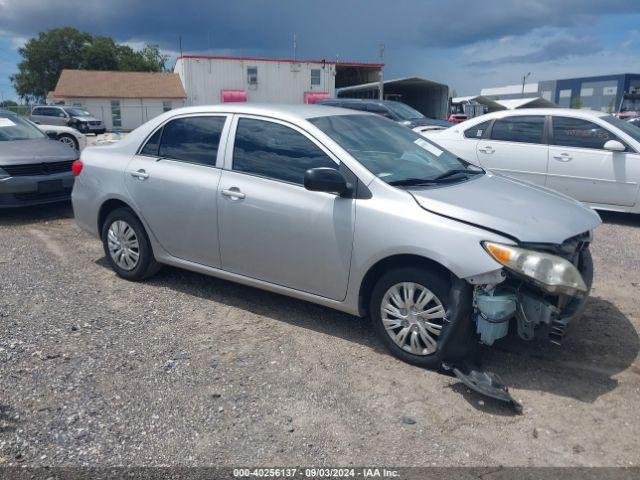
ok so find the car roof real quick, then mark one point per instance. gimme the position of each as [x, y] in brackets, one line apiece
[572, 112]
[283, 111]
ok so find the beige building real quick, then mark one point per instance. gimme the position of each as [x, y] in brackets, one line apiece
[122, 100]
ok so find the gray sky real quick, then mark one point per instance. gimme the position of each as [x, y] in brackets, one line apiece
[465, 44]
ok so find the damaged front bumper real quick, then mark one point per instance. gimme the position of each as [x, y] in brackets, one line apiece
[505, 299]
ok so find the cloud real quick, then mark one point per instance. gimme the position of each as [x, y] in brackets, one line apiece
[431, 38]
[553, 50]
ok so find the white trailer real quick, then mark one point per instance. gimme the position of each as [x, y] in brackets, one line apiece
[214, 79]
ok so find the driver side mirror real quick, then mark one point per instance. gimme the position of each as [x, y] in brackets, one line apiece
[324, 179]
[52, 135]
[614, 146]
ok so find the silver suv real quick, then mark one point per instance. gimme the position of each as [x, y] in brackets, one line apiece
[76, 117]
[346, 209]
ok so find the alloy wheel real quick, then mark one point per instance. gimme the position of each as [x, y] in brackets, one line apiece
[68, 141]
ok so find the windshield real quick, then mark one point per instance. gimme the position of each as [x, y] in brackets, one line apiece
[12, 127]
[77, 112]
[390, 151]
[626, 127]
[403, 111]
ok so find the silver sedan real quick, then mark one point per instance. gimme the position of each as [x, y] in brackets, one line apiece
[345, 209]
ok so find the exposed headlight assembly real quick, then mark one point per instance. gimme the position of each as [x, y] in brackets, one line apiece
[552, 273]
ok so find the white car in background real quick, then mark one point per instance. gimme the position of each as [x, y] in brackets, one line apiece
[590, 156]
[67, 135]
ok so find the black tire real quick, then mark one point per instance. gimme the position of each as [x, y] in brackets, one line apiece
[147, 264]
[438, 283]
[70, 137]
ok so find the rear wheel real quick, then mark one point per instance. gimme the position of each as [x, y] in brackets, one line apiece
[127, 246]
[408, 308]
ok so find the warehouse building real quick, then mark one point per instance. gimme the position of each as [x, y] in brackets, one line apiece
[216, 79]
[122, 100]
[428, 97]
[603, 93]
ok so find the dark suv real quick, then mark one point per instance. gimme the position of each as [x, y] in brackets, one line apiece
[398, 111]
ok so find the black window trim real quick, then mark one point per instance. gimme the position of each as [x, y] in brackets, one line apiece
[544, 140]
[627, 147]
[231, 144]
[189, 115]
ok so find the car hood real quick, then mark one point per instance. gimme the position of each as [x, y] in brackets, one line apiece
[18, 152]
[422, 122]
[521, 210]
[87, 118]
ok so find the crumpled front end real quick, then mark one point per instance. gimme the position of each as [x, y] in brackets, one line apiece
[532, 303]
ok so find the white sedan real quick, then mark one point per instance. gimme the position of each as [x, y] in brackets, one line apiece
[67, 135]
[590, 156]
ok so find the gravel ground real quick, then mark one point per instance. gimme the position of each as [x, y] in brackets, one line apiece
[189, 370]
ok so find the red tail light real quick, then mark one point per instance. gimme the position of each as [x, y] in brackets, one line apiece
[76, 167]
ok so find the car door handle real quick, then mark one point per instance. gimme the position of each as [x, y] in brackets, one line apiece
[233, 192]
[563, 157]
[140, 174]
[487, 149]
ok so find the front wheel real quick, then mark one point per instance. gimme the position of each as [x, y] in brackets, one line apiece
[68, 140]
[127, 246]
[408, 308]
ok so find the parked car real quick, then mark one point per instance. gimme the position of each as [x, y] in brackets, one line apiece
[397, 111]
[76, 117]
[635, 121]
[346, 209]
[67, 135]
[33, 169]
[590, 156]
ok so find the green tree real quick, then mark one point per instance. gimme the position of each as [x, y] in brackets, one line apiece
[100, 54]
[46, 56]
[8, 103]
[576, 102]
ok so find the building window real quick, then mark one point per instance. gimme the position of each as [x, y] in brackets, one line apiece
[116, 117]
[252, 75]
[166, 105]
[586, 92]
[546, 94]
[610, 90]
[315, 76]
[565, 93]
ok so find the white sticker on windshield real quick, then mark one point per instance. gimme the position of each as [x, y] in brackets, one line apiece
[429, 147]
[5, 122]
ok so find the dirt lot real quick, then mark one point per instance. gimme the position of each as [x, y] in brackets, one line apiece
[190, 370]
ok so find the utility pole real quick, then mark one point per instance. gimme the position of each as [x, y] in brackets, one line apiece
[381, 87]
[524, 79]
[295, 45]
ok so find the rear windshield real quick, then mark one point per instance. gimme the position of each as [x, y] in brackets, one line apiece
[12, 127]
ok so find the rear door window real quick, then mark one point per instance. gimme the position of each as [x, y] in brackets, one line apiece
[478, 130]
[521, 129]
[192, 139]
[575, 132]
[152, 145]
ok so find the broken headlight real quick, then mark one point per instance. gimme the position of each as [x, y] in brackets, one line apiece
[552, 273]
